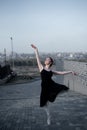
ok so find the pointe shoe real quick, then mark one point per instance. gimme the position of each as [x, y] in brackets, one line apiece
[48, 121]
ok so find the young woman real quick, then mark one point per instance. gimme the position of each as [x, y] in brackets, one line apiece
[49, 88]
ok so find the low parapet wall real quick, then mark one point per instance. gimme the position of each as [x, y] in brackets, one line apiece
[79, 82]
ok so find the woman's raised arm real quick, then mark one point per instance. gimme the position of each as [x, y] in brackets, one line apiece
[40, 66]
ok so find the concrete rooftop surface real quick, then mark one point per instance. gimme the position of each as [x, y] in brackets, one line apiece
[19, 109]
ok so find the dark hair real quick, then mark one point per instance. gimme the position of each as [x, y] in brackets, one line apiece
[51, 61]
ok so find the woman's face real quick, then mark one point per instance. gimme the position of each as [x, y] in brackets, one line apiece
[47, 61]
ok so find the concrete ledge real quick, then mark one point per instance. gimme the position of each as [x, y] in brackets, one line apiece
[76, 83]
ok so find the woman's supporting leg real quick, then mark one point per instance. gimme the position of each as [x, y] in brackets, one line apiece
[48, 114]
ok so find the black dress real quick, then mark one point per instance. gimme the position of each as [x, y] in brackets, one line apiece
[49, 88]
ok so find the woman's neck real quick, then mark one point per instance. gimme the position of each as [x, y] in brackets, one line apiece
[47, 67]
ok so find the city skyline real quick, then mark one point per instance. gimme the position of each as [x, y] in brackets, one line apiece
[54, 26]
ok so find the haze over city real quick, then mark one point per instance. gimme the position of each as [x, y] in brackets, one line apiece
[52, 25]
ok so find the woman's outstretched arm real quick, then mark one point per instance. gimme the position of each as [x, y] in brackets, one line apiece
[63, 72]
[40, 66]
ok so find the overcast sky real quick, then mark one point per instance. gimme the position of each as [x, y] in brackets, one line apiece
[53, 25]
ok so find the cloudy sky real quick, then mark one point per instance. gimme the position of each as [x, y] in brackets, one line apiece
[53, 25]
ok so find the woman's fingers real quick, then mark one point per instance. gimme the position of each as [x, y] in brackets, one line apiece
[74, 73]
[33, 46]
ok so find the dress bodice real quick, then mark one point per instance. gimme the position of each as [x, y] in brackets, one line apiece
[46, 75]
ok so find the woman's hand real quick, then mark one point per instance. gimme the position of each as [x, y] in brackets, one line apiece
[74, 73]
[33, 46]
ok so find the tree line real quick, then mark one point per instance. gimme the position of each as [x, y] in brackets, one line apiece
[28, 62]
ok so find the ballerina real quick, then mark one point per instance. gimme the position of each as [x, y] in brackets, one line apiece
[49, 88]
